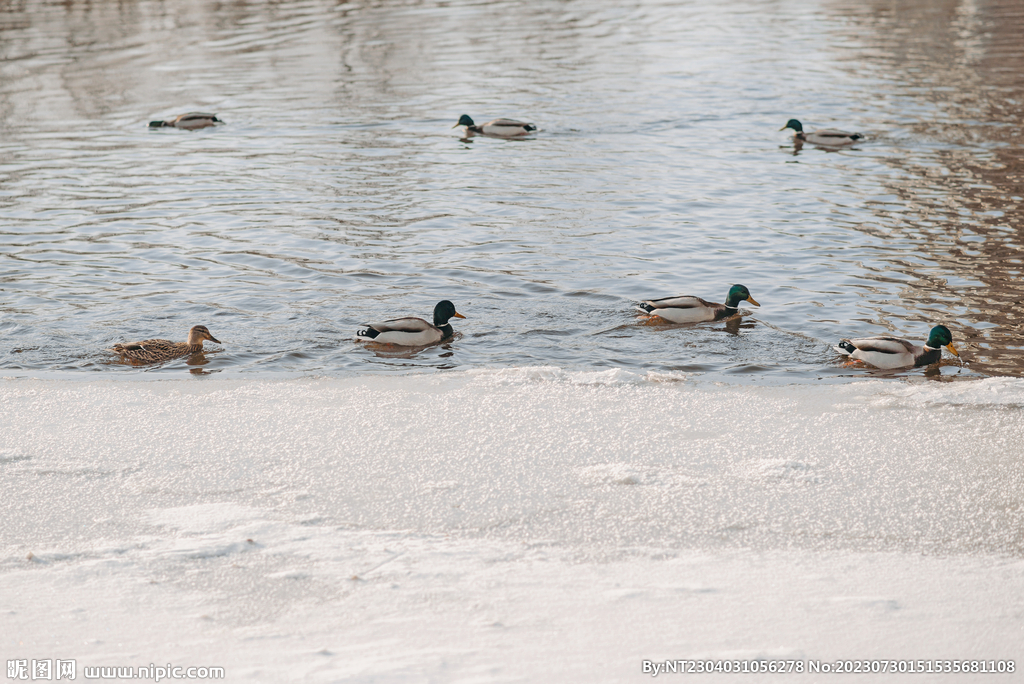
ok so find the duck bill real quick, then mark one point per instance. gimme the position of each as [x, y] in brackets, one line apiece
[456, 125]
[751, 300]
[458, 315]
[952, 349]
[784, 128]
[214, 339]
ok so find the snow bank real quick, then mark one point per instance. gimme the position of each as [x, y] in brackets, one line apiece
[513, 525]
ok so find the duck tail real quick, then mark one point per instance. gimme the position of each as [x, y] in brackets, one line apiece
[157, 124]
[367, 333]
[644, 307]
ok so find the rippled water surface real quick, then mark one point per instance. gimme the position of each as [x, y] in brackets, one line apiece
[337, 192]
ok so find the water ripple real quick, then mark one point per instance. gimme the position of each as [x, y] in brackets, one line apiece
[336, 191]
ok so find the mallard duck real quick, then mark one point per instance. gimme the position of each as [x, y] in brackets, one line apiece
[892, 352]
[686, 309]
[152, 351]
[827, 137]
[189, 122]
[410, 331]
[502, 128]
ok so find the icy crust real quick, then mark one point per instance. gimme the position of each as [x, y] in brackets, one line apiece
[273, 599]
[1002, 393]
[507, 526]
[598, 459]
[542, 374]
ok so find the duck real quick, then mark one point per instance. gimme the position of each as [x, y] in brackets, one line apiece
[154, 351]
[501, 128]
[827, 137]
[689, 309]
[411, 331]
[188, 122]
[892, 352]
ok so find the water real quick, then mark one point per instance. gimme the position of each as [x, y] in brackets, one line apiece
[576, 491]
[337, 193]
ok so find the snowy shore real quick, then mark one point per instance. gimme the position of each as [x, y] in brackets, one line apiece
[515, 525]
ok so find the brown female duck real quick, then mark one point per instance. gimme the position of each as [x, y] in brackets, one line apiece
[153, 351]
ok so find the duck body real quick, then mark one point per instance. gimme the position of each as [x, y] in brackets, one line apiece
[410, 331]
[893, 352]
[188, 122]
[154, 351]
[689, 309]
[826, 137]
[499, 128]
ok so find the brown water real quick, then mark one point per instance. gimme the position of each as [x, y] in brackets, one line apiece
[336, 191]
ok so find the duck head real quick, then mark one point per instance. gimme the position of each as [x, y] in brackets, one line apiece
[464, 120]
[737, 294]
[444, 311]
[198, 333]
[941, 337]
[795, 125]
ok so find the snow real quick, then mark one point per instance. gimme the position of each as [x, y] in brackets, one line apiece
[527, 524]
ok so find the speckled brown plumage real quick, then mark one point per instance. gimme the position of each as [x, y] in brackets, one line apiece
[153, 351]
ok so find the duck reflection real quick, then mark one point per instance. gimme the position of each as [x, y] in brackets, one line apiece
[394, 351]
[196, 361]
[736, 323]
